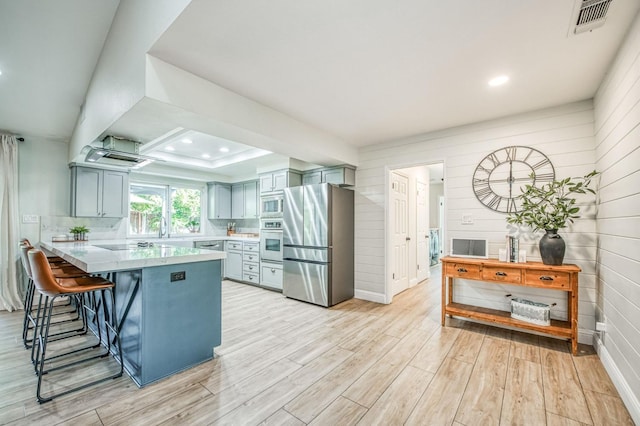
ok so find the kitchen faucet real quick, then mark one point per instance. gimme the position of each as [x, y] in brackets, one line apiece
[162, 229]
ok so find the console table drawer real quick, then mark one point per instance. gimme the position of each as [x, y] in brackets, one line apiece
[548, 279]
[499, 273]
[463, 270]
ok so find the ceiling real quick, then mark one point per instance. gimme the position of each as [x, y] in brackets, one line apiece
[366, 71]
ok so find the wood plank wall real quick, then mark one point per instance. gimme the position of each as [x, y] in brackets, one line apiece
[617, 133]
[564, 134]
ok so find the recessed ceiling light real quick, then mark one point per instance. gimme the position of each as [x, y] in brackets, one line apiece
[170, 148]
[0, 72]
[206, 156]
[187, 141]
[224, 149]
[498, 81]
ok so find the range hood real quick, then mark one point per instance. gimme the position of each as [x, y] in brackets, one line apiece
[117, 152]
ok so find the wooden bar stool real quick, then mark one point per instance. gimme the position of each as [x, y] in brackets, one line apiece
[51, 288]
[60, 270]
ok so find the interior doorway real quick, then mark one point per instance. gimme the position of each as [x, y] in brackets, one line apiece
[414, 213]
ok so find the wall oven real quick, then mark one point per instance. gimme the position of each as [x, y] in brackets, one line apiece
[272, 206]
[271, 240]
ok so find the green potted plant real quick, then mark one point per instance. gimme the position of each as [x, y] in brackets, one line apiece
[193, 224]
[79, 232]
[551, 207]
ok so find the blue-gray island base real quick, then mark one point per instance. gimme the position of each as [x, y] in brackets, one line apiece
[168, 326]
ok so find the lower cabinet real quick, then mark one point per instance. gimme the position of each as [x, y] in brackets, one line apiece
[233, 262]
[271, 275]
[243, 261]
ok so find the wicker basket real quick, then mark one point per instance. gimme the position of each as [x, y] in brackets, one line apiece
[533, 312]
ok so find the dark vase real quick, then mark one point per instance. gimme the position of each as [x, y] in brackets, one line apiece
[552, 248]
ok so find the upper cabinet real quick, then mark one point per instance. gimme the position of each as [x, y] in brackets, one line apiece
[99, 192]
[343, 176]
[219, 197]
[244, 200]
[279, 180]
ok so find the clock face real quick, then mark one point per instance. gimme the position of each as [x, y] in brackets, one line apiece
[500, 175]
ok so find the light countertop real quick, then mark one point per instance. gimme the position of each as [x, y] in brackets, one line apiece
[89, 257]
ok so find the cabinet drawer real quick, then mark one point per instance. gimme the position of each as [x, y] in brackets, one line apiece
[251, 267]
[252, 247]
[251, 277]
[463, 270]
[271, 276]
[498, 273]
[548, 279]
[234, 245]
[250, 257]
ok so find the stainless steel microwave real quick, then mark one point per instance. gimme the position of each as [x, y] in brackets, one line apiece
[272, 206]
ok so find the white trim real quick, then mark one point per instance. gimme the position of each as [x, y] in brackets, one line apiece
[371, 296]
[630, 400]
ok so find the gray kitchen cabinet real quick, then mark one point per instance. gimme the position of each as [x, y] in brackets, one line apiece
[99, 192]
[279, 180]
[343, 176]
[251, 203]
[237, 201]
[312, 177]
[244, 200]
[271, 275]
[233, 262]
[219, 200]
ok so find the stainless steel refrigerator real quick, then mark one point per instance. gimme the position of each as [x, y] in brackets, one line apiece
[318, 244]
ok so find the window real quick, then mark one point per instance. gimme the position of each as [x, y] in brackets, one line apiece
[160, 210]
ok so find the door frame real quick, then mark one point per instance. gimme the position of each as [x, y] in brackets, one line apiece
[388, 237]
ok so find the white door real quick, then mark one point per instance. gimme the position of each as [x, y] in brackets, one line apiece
[422, 230]
[400, 232]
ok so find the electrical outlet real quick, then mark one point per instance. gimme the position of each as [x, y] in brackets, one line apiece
[30, 218]
[467, 219]
[600, 326]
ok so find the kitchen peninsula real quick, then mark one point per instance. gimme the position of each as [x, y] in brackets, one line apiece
[168, 301]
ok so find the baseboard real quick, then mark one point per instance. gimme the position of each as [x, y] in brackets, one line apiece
[630, 400]
[370, 296]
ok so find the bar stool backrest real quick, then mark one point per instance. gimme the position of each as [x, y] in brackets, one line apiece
[24, 257]
[43, 277]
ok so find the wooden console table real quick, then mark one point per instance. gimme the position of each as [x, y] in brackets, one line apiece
[529, 274]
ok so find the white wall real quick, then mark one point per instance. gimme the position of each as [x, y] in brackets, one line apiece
[43, 185]
[436, 190]
[564, 134]
[617, 134]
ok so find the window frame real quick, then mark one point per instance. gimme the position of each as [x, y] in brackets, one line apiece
[167, 213]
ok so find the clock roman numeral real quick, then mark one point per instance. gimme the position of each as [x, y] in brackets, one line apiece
[511, 152]
[483, 192]
[494, 202]
[511, 205]
[541, 163]
[545, 176]
[494, 159]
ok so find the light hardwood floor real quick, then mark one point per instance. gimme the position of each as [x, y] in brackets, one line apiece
[285, 362]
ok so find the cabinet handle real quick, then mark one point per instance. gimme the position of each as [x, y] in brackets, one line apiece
[462, 270]
[546, 278]
[273, 270]
[501, 274]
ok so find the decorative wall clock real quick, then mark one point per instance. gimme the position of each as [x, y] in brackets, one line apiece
[500, 175]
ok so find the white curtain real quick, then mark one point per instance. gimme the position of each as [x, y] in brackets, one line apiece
[9, 284]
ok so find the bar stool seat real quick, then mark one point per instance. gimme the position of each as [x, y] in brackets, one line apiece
[51, 288]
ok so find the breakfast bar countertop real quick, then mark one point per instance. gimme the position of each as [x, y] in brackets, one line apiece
[118, 255]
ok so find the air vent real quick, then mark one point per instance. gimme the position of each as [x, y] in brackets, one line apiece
[592, 14]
